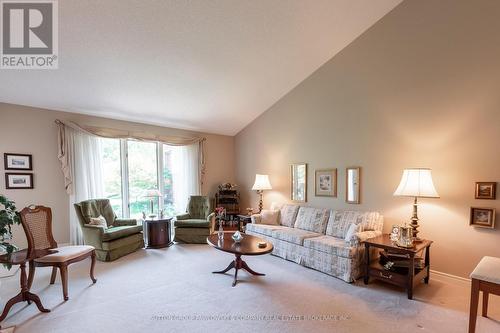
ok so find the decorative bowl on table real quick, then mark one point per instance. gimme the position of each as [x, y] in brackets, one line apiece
[237, 237]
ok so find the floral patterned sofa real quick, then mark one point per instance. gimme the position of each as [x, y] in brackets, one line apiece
[322, 239]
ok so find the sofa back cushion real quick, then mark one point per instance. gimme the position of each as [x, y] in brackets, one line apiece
[373, 221]
[312, 219]
[340, 221]
[288, 213]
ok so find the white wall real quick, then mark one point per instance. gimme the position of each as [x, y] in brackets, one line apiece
[33, 131]
[418, 89]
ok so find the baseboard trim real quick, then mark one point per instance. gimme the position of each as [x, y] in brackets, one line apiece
[451, 276]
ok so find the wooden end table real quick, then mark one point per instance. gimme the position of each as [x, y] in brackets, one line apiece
[247, 246]
[243, 220]
[21, 258]
[157, 233]
[406, 278]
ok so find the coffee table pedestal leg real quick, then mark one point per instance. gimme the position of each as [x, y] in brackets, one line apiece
[238, 264]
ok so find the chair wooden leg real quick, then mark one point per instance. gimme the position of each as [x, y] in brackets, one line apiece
[53, 276]
[31, 274]
[64, 278]
[474, 300]
[485, 303]
[92, 265]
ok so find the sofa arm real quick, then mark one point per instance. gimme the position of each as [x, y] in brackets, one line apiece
[362, 236]
[92, 235]
[125, 222]
[182, 217]
[256, 218]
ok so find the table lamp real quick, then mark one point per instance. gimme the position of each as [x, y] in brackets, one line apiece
[261, 183]
[417, 183]
[152, 194]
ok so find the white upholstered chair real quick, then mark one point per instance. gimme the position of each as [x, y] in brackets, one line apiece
[485, 278]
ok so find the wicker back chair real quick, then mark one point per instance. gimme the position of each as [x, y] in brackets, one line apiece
[37, 224]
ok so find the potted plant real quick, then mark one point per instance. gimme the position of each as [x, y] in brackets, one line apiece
[8, 217]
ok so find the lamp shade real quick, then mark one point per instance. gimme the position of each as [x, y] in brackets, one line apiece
[261, 183]
[152, 193]
[416, 183]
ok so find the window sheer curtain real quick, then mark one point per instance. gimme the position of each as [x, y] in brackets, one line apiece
[185, 175]
[86, 168]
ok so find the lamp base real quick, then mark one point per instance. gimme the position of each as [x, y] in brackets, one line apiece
[261, 204]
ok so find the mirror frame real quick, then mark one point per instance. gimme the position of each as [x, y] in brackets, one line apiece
[347, 185]
[291, 181]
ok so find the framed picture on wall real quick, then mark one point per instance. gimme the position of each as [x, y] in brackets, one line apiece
[18, 161]
[325, 183]
[18, 181]
[486, 190]
[482, 217]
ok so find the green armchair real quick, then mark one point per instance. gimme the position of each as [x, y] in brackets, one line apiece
[123, 236]
[197, 224]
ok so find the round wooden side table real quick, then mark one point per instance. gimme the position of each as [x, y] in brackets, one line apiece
[157, 233]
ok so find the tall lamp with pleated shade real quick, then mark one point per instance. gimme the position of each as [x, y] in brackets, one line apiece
[261, 183]
[417, 183]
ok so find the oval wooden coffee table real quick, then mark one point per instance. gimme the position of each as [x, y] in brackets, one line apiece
[248, 246]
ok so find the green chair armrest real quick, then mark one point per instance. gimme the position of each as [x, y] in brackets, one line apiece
[211, 219]
[124, 222]
[92, 235]
[183, 217]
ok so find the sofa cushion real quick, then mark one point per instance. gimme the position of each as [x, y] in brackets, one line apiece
[192, 223]
[292, 235]
[263, 229]
[331, 245]
[268, 216]
[288, 213]
[340, 221]
[372, 221]
[312, 219]
[120, 232]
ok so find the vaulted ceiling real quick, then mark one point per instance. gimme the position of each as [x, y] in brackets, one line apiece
[205, 65]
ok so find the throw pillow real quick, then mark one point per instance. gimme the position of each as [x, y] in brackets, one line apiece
[99, 221]
[268, 216]
[353, 229]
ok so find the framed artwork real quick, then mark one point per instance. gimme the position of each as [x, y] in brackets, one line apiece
[482, 217]
[18, 161]
[325, 183]
[18, 181]
[353, 184]
[298, 182]
[486, 190]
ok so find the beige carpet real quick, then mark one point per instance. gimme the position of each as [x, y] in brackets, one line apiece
[172, 290]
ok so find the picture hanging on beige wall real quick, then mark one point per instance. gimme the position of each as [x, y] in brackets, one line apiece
[482, 217]
[325, 183]
[486, 190]
[353, 185]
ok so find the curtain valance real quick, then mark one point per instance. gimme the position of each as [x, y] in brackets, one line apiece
[66, 158]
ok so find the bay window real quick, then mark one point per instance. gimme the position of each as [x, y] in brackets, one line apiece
[131, 167]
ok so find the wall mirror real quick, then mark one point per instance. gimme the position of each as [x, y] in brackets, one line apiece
[298, 173]
[353, 184]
